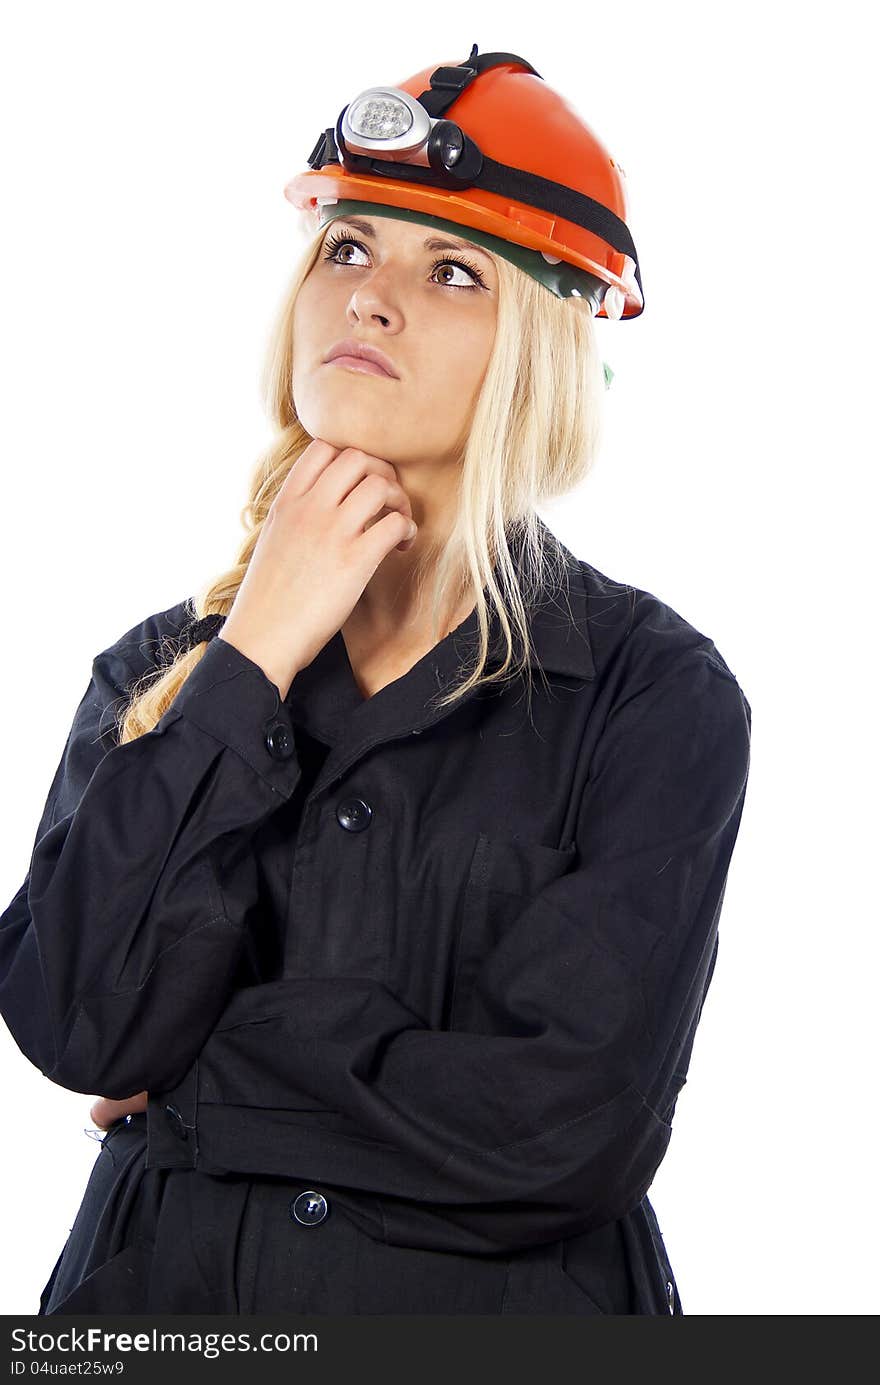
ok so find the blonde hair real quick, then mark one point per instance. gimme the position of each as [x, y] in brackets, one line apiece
[535, 432]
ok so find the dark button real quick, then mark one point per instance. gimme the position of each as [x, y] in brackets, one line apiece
[309, 1208]
[175, 1120]
[354, 814]
[279, 741]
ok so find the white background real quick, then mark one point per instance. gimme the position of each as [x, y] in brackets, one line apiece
[146, 244]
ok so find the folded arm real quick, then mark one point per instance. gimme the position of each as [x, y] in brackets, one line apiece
[118, 951]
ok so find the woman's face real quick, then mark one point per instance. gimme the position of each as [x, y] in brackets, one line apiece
[423, 298]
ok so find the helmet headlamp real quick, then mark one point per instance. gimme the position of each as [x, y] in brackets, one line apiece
[548, 188]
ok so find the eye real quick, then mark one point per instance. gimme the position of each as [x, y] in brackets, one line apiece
[333, 245]
[468, 269]
[336, 242]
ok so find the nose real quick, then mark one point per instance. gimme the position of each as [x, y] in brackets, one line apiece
[374, 298]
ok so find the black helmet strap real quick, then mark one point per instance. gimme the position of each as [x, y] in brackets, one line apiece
[447, 83]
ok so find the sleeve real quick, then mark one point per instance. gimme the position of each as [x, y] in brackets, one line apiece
[555, 1120]
[118, 951]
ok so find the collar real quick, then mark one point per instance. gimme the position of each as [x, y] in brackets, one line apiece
[326, 700]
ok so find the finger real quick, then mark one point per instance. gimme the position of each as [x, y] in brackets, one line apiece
[308, 467]
[377, 542]
[371, 496]
[105, 1111]
[338, 482]
[103, 1114]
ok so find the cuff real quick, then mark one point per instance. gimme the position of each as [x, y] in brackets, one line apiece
[230, 697]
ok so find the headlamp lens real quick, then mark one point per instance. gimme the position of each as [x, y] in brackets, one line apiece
[379, 117]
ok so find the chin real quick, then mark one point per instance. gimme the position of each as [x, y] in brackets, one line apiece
[369, 435]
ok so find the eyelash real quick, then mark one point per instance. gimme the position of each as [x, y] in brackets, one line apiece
[336, 240]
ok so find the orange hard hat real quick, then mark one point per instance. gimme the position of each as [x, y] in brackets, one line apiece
[514, 161]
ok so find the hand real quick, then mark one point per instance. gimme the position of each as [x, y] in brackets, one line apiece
[321, 542]
[105, 1112]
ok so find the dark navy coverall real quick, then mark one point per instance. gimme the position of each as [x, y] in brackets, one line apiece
[413, 991]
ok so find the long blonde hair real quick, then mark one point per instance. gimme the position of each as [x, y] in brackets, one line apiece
[535, 432]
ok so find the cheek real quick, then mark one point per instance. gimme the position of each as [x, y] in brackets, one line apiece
[309, 311]
[459, 349]
[466, 365]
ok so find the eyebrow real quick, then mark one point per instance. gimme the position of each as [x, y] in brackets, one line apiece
[432, 243]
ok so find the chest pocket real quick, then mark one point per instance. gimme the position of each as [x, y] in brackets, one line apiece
[505, 874]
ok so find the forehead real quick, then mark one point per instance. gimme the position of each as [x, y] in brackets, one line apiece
[430, 239]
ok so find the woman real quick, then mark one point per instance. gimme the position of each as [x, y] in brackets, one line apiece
[382, 909]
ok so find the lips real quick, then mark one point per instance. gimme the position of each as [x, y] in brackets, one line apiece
[357, 355]
[358, 363]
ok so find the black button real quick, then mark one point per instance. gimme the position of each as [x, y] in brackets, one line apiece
[354, 814]
[279, 741]
[309, 1208]
[175, 1120]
